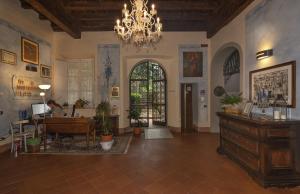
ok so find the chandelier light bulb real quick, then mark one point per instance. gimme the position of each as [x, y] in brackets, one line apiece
[153, 6]
[125, 6]
[118, 22]
[158, 20]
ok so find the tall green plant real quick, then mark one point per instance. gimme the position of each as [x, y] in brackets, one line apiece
[135, 111]
[102, 116]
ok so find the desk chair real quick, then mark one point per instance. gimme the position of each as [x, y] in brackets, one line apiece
[17, 135]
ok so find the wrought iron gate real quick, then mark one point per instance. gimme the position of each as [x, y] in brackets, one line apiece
[147, 90]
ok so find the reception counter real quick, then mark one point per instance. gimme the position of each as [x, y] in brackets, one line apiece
[267, 149]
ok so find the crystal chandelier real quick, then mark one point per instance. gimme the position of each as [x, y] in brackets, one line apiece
[139, 25]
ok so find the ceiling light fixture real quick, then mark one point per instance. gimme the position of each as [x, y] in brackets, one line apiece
[141, 26]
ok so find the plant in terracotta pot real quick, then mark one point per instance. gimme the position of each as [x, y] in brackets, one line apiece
[231, 103]
[33, 145]
[135, 113]
[104, 124]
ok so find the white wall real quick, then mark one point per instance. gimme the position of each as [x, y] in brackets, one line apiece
[16, 22]
[233, 33]
[274, 24]
[166, 53]
[26, 19]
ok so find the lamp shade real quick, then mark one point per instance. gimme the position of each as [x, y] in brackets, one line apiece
[45, 86]
[264, 54]
[42, 94]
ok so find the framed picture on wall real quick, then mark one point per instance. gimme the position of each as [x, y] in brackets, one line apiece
[30, 51]
[192, 64]
[8, 57]
[45, 71]
[115, 91]
[267, 83]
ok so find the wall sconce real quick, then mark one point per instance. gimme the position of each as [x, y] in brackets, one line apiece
[264, 54]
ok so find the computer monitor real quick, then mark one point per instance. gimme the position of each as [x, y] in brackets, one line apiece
[39, 109]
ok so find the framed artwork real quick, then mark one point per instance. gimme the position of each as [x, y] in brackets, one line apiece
[115, 92]
[45, 71]
[192, 64]
[8, 57]
[267, 83]
[32, 67]
[30, 51]
[247, 109]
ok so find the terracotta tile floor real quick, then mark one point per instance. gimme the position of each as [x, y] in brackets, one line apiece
[185, 165]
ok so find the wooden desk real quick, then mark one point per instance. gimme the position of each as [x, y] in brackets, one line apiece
[267, 149]
[61, 125]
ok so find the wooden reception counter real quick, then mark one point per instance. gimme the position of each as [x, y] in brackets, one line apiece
[267, 149]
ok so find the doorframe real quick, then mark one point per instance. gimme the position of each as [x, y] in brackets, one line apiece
[148, 61]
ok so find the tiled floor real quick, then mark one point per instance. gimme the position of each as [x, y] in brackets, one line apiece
[183, 165]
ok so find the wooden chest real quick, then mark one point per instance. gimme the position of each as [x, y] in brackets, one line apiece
[268, 150]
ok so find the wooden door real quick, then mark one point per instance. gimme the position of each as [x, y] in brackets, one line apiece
[187, 108]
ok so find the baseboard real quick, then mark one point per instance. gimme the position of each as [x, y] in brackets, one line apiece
[203, 129]
[4, 148]
[175, 129]
[125, 130]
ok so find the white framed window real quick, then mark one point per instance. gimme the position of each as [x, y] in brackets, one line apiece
[81, 80]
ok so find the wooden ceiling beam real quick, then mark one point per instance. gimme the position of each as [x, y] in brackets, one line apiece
[56, 14]
[25, 5]
[222, 19]
[42, 17]
[160, 5]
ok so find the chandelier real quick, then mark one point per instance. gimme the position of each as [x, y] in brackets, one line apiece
[140, 26]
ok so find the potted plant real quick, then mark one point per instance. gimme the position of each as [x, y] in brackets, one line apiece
[104, 124]
[231, 103]
[80, 103]
[135, 113]
[33, 145]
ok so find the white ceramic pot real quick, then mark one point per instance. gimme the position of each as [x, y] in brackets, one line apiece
[106, 145]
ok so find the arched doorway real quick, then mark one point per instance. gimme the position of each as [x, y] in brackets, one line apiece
[147, 92]
[226, 71]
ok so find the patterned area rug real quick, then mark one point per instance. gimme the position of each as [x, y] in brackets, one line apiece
[77, 146]
[162, 133]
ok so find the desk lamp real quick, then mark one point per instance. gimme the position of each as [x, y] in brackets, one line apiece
[44, 87]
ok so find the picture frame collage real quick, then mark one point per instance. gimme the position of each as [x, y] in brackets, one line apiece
[30, 55]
